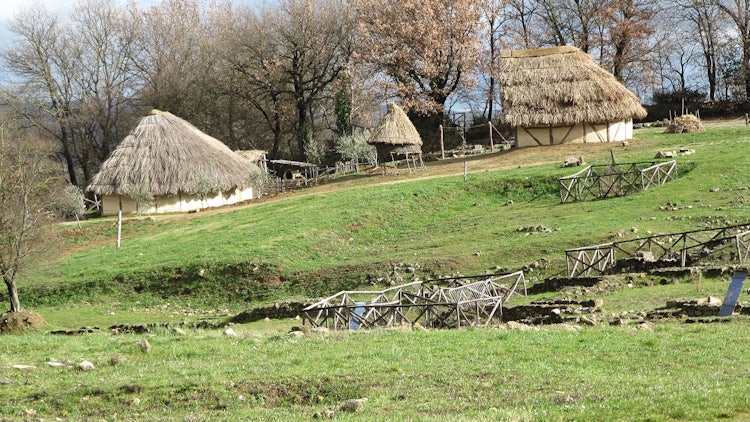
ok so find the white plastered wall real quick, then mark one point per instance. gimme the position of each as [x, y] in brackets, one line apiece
[580, 133]
[181, 202]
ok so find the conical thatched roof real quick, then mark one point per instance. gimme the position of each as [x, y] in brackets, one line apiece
[168, 155]
[395, 129]
[561, 86]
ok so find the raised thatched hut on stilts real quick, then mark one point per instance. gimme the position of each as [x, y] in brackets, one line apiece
[395, 137]
[178, 166]
[560, 95]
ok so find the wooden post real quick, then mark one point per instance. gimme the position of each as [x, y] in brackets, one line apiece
[442, 146]
[745, 119]
[119, 228]
[492, 144]
[466, 169]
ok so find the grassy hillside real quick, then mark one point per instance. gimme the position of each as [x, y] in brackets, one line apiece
[348, 232]
[315, 242]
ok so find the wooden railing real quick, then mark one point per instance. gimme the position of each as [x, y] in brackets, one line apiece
[598, 182]
[678, 247]
[456, 305]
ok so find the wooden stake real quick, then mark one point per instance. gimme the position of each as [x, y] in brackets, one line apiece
[466, 169]
[442, 146]
[492, 144]
[119, 228]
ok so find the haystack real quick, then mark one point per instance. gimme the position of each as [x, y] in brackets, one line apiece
[686, 123]
[183, 169]
[396, 135]
[560, 95]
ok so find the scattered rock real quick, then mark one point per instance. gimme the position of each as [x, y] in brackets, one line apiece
[117, 360]
[24, 367]
[590, 321]
[666, 154]
[572, 161]
[353, 405]
[568, 327]
[320, 330]
[135, 401]
[302, 328]
[144, 345]
[230, 333]
[515, 325]
[56, 364]
[28, 412]
[179, 331]
[508, 202]
[645, 326]
[85, 366]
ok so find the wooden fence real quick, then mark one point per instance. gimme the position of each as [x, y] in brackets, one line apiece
[677, 247]
[459, 304]
[598, 182]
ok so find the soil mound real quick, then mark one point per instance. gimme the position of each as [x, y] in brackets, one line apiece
[19, 322]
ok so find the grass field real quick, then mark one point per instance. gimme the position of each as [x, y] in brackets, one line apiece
[338, 235]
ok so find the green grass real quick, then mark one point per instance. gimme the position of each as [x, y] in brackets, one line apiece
[684, 372]
[313, 243]
[322, 242]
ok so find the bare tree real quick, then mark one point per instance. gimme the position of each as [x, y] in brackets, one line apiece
[28, 182]
[424, 49]
[290, 58]
[523, 16]
[42, 60]
[706, 19]
[629, 25]
[74, 79]
[738, 12]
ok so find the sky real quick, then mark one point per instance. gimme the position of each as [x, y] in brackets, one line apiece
[8, 9]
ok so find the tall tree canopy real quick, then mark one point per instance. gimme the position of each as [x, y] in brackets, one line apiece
[425, 49]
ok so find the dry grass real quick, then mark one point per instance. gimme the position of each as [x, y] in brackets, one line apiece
[395, 129]
[561, 86]
[687, 123]
[167, 155]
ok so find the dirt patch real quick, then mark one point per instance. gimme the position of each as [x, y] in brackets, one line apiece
[19, 322]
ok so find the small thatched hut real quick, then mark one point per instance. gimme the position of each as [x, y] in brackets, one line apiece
[182, 168]
[560, 95]
[396, 135]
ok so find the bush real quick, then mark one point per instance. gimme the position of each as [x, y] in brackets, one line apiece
[72, 204]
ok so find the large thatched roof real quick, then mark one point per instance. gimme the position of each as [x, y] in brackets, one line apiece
[395, 129]
[167, 155]
[561, 86]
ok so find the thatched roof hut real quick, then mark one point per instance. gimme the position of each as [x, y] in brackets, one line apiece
[181, 167]
[396, 134]
[560, 95]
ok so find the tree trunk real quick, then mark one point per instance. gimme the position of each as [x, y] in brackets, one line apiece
[10, 282]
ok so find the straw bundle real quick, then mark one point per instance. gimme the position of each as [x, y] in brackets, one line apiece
[167, 155]
[686, 123]
[561, 86]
